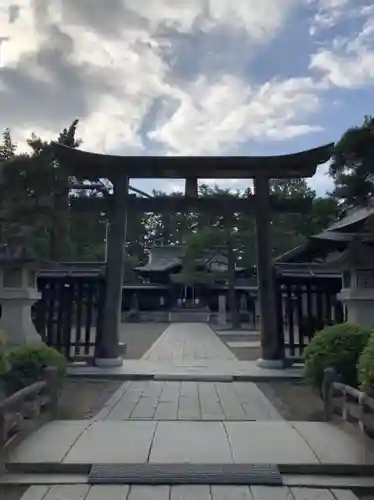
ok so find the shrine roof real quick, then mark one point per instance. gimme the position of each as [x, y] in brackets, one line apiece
[93, 165]
[166, 257]
[163, 258]
[357, 216]
[358, 254]
[337, 236]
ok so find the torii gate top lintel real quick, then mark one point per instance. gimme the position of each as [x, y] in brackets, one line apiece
[93, 165]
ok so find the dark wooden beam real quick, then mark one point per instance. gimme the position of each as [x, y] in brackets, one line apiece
[185, 204]
[93, 165]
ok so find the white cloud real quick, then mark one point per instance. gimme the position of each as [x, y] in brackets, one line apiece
[68, 59]
[349, 61]
[321, 182]
[261, 20]
[215, 115]
[328, 13]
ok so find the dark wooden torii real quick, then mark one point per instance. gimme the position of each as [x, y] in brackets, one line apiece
[119, 169]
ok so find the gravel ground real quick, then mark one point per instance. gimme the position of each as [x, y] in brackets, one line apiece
[294, 400]
[140, 336]
[84, 397]
[242, 353]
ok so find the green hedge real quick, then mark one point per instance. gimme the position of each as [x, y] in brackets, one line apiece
[366, 368]
[339, 347]
[27, 363]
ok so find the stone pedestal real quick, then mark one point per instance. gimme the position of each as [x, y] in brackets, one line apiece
[222, 318]
[18, 294]
[357, 294]
[359, 305]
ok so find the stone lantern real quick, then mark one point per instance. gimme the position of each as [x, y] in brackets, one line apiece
[18, 292]
[357, 294]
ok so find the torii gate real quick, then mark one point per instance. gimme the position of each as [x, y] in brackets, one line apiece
[119, 169]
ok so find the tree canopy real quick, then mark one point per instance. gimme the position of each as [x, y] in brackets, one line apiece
[37, 193]
[352, 167]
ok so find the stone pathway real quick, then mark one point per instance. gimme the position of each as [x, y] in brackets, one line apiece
[187, 421]
[188, 350]
[183, 492]
[189, 400]
[184, 400]
[191, 343]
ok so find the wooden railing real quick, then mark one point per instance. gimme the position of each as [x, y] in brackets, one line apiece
[27, 404]
[352, 404]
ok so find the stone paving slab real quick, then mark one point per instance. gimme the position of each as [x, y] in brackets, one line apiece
[51, 442]
[183, 492]
[272, 442]
[277, 443]
[113, 442]
[349, 446]
[191, 442]
[188, 400]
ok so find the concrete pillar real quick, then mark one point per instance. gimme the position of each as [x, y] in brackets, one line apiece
[108, 353]
[272, 350]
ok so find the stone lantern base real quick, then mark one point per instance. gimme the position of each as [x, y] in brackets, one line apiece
[359, 304]
[16, 319]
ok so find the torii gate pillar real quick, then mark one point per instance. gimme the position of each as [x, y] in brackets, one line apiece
[108, 352]
[272, 348]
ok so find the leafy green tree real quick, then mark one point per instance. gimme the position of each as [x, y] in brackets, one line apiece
[7, 148]
[35, 195]
[352, 166]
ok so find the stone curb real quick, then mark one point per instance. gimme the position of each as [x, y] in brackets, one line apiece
[360, 484]
[311, 470]
[188, 377]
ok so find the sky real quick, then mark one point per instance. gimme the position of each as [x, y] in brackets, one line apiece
[188, 77]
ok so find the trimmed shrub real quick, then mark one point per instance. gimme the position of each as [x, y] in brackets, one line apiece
[366, 368]
[28, 362]
[338, 347]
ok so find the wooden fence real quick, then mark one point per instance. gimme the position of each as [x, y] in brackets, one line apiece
[304, 306]
[69, 314]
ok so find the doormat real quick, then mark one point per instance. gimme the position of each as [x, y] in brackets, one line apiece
[185, 474]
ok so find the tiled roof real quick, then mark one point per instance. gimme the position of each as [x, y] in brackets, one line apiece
[164, 258]
[355, 216]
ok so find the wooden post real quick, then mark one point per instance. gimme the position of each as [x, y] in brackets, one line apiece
[191, 187]
[109, 349]
[272, 352]
[53, 386]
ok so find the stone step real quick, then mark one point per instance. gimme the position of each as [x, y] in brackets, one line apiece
[185, 492]
[357, 482]
[74, 446]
